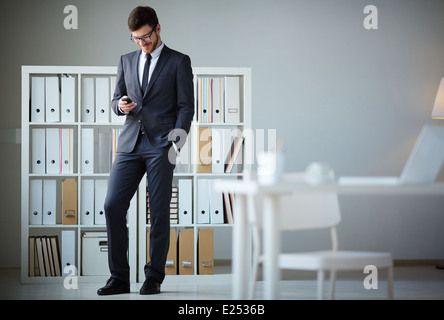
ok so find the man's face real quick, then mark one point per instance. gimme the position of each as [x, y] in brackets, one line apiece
[148, 44]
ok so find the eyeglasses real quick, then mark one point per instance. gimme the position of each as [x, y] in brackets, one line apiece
[144, 38]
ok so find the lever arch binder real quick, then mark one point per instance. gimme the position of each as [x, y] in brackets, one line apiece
[203, 202]
[186, 251]
[87, 150]
[217, 150]
[171, 261]
[68, 100]
[204, 150]
[49, 201]
[216, 205]
[185, 201]
[218, 100]
[66, 150]
[206, 251]
[38, 153]
[52, 150]
[102, 100]
[69, 201]
[52, 99]
[68, 250]
[87, 96]
[36, 203]
[232, 100]
[87, 202]
[100, 189]
[37, 99]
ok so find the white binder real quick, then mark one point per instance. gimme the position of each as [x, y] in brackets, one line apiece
[185, 201]
[87, 150]
[38, 153]
[67, 150]
[232, 100]
[35, 203]
[87, 205]
[101, 187]
[87, 100]
[202, 100]
[37, 99]
[52, 150]
[216, 205]
[203, 202]
[49, 201]
[218, 100]
[52, 99]
[68, 106]
[217, 150]
[68, 250]
[102, 100]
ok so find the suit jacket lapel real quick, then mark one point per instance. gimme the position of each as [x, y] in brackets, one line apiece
[164, 55]
[135, 69]
[135, 79]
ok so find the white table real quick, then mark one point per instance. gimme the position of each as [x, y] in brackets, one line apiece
[268, 195]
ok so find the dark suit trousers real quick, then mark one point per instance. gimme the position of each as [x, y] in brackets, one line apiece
[126, 173]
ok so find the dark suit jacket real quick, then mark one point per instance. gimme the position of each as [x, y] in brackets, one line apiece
[167, 104]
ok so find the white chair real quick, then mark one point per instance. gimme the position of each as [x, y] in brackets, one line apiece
[316, 211]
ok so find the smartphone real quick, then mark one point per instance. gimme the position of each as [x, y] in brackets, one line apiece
[128, 100]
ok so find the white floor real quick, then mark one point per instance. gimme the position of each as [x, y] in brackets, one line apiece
[411, 283]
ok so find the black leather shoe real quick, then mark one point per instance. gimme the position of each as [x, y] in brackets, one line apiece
[114, 286]
[150, 286]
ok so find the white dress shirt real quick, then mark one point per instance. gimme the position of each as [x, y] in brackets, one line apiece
[154, 58]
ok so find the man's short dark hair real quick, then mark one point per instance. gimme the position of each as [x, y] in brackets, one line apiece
[141, 16]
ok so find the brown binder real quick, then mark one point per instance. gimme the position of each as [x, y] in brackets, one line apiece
[204, 150]
[56, 254]
[186, 251]
[40, 259]
[69, 201]
[205, 251]
[171, 262]
[32, 256]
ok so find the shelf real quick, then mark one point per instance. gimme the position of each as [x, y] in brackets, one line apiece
[137, 216]
[214, 124]
[198, 225]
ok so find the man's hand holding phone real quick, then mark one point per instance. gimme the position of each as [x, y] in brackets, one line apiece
[126, 104]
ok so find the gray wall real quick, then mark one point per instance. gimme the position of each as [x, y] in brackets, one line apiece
[336, 92]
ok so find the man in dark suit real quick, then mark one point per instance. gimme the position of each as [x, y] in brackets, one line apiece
[159, 83]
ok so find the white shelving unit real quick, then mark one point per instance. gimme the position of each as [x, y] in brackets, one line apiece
[191, 171]
[137, 215]
[103, 122]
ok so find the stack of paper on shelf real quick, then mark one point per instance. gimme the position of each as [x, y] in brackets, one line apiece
[174, 206]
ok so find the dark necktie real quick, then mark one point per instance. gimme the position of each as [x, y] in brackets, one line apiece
[146, 71]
